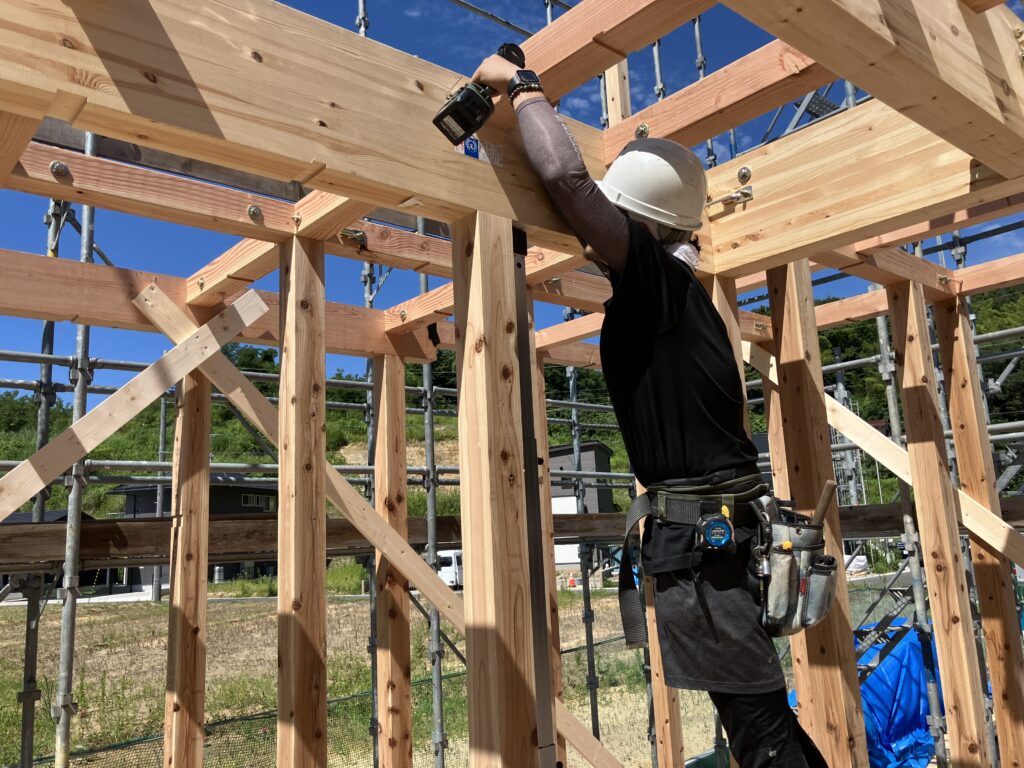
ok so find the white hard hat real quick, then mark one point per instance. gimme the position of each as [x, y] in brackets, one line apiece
[660, 180]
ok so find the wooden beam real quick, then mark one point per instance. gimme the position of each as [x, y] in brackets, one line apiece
[93, 294]
[954, 72]
[173, 321]
[941, 224]
[498, 649]
[185, 700]
[757, 83]
[818, 190]
[890, 265]
[574, 330]
[145, 192]
[587, 40]
[116, 543]
[937, 508]
[302, 513]
[263, 107]
[318, 216]
[824, 666]
[394, 652]
[991, 570]
[16, 132]
[420, 311]
[992, 275]
[46, 464]
[980, 6]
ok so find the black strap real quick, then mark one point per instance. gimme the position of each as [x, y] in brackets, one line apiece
[631, 607]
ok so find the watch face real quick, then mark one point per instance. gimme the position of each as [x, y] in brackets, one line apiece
[526, 76]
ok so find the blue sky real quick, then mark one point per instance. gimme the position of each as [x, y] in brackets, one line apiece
[435, 30]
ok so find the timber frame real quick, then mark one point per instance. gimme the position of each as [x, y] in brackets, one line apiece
[940, 146]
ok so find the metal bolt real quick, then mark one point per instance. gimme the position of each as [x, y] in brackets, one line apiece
[643, 131]
[744, 174]
[1018, 32]
[403, 314]
[202, 283]
[255, 212]
[59, 169]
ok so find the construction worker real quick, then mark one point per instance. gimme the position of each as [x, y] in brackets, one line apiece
[677, 394]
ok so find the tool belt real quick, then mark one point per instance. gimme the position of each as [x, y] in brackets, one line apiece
[796, 581]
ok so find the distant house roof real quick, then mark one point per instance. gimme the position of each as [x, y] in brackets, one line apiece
[590, 445]
[220, 479]
[49, 516]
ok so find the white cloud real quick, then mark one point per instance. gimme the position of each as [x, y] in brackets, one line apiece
[414, 12]
[576, 103]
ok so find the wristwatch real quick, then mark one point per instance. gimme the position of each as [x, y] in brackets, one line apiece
[524, 80]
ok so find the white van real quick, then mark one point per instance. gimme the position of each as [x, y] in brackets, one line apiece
[449, 567]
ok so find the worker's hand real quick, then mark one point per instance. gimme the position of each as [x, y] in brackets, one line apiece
[495, 72]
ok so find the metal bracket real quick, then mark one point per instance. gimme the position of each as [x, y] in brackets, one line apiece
[741, 195]
[356, 235]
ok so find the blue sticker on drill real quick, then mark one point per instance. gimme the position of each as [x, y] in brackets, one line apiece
[471, 147]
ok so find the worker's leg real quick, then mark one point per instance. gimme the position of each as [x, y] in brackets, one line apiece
[764, 732]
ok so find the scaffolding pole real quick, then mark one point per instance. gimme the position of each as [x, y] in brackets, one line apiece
[64, 706]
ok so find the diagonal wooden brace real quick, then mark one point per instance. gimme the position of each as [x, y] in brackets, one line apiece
[194, 347]
[170, 319]
[993, 530]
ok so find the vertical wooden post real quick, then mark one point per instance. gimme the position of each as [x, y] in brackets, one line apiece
[991, 570]
[302, 521]
[394, 694]
[938, 509]
[185, 699]
[824, 667]
[616, 88]
[540, 420]
[502, 710]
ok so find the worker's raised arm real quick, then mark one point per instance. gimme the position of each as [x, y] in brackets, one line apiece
[557, 161]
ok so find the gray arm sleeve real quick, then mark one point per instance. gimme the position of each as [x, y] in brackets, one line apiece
[557, 161]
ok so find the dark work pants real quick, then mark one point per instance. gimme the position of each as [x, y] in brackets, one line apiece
[763, 731]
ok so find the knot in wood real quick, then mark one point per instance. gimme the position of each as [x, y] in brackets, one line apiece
[955, 620]
[510, 327]
[316, 387]
[304, 304]
[67, 43]
[321, 124]
[308, 467]
[296, 605]
[188, 557]
[506, 372]
[972, 748]
[389, 505]
[257, 57]
[480, 344]
[504, 455]
[149, 76]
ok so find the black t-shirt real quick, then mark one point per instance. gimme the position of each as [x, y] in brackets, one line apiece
[670, 370]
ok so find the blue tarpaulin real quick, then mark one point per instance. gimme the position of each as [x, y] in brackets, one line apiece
[895, 700]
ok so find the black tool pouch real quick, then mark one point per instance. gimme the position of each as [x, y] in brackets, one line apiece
[797, 580]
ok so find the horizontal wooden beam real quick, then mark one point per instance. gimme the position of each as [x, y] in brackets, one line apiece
[738, 92]
[981, 278]
[573, 330]
[135, 542]
[57, 289]
[420, 311]
[818, 190]
[953, 71]
[266, 89]
[144, 192]
[889, 265]
[980, 6]
[597, 34]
